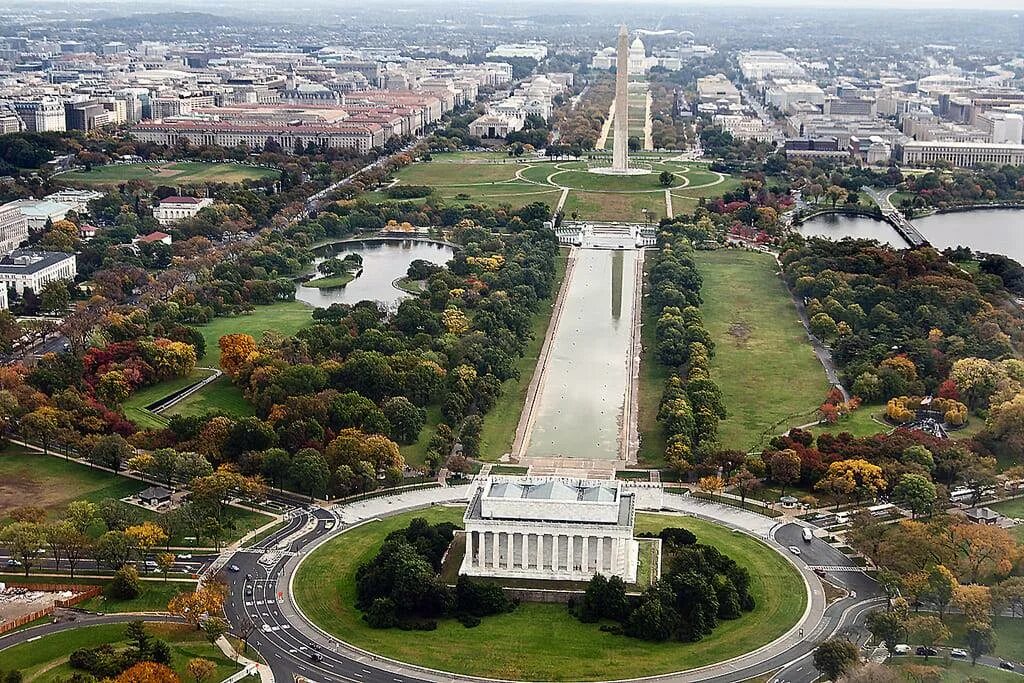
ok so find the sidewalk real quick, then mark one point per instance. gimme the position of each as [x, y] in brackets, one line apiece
[266, 675]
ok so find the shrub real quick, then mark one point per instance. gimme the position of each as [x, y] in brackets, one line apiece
[125, 585]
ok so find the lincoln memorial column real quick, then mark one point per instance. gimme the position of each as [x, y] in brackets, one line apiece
[469, 547]
[585, 559]
[510, 541]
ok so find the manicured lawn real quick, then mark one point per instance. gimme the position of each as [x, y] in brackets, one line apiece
[651, 385]
[330, 282]
[956, 671]
[220, 394]
[174, 174]
[763, 361]
[499, 430]
[453, 172]
[154, 598]
[45, 660]
[1009, 636]
[870, 419]
[416, 453]
[1013, 508]
[615, 206]
[542, 641]
[135, 406]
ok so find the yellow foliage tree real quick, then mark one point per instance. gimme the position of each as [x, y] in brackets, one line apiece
[235, 350]
[857, 478]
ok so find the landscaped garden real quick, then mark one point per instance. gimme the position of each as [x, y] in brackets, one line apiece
[538, 641]
[169, 173]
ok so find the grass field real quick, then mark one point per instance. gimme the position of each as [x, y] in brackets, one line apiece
[51, 483]
[612, 206]
[1009, 636]
[542, 641]
[869, 419]
[220, 394]
[135, 406]
[45, 660]
[763, 361]
[172, 173]
[1013, 508]
[499, 430]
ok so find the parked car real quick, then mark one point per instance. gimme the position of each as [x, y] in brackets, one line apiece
[820, 572]
[923, 651]
[234, 568]
[793, 549]
[13, 563]
[184, 556]
[958, 653]
[902, 649]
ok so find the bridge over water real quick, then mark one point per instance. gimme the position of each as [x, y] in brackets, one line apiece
[893, 217]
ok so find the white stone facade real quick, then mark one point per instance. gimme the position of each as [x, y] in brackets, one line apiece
[550, 528]
[13, 228]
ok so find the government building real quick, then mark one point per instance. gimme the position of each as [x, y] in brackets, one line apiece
[550, 528]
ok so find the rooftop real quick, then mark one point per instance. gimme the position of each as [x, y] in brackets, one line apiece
[27, 261]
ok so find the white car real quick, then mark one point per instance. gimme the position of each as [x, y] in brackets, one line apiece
[902, 649]
[266, 628]
[184, 556]
[958, 653]
[793, 549]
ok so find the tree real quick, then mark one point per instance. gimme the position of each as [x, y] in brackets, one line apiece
[857, 478]
[928, 631]
[113, 549]
[165, 562]
[784, 467]
[888, 628]
[942, 586]
[974, 602]
[207, 600]
[54, 296]
[40, 425]
[981, 640]
[666, 178]
[214, 628]
[469, 436]
[110, 452]
[744, 482]
[824, 327]
[126, 584]
[983, 550]
[835, 657]
[144, 537]
[406, 419]
[310, 472]
[916, 492]
[200, 669]
[1009, 594]
[710, 485]
[82, 514]
[235, 349]
[148, 672]
[23, 541]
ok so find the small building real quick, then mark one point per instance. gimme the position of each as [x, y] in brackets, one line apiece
[173, 209]
[87, 231]
[28, 269]
[153, 237]
[983, 515]
[154, 496]
[550, 528]
[494, 126]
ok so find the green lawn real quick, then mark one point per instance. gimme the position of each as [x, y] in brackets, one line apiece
[542, 641]
[174, 173]
[416, 453]
[615, 206]
[330, 282]
[1013, 508]
[220, 394]
[135, 406]
[444, 172]
[1009, 636]
[869, 419]
[763, 361]
[45, 660]
[499, 430]
[955, 671]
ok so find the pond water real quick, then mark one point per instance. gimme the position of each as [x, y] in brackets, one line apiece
[384, 261]
[995, 231]
[580, 405]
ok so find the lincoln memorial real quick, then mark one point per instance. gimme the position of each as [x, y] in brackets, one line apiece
[550, 528]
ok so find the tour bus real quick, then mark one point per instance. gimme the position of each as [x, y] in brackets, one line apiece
[882, 509]
[807, 534]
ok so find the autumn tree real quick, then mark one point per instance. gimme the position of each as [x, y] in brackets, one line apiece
[744, 482]
[148, 672]
[784, 467]
[200, 669]
[235, 350]
[974, 602]
[144, 537]
[207, 600]
[983, 551]
[856, 478]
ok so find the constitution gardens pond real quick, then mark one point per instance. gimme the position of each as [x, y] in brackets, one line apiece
[384, 262]
[995, 231]
[543, 641]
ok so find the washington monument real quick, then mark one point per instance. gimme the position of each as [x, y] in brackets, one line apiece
[620, 143]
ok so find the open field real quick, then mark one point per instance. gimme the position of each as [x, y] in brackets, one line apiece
[1013, 508]
[611, 206]
[45, 660]
[459, 172]
[1009, 636]
[870, 419]
[220, 394]
[542, 641]
[168, 173]
[763, 361]
[51, 483]
[499, 430]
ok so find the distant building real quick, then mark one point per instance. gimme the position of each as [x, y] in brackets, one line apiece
[173, 209]
[27, 269]
[531, 50]
[494, 126]
[154, 237]
[719, 91]
[963, 154]
[38, 211]
[78, 200]
[13, 228]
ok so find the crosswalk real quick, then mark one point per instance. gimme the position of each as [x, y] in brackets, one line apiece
[836, 568]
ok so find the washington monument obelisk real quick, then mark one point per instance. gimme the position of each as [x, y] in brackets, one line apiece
[620, 143]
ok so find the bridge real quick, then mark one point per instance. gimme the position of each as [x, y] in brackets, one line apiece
[893, 217]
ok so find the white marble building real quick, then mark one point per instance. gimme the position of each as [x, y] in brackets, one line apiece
[550, 528]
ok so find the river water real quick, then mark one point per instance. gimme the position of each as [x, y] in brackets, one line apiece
[582, 399]
[384, 261]
[995, 231]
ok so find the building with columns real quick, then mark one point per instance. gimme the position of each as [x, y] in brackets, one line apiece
[550, 528]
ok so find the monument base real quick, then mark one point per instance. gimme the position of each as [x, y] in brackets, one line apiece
[608, 170]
